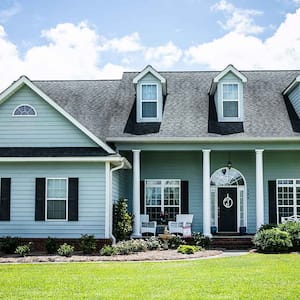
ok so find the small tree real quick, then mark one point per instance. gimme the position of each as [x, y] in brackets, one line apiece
[122, 221]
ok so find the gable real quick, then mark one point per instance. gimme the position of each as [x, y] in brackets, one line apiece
[48, 129]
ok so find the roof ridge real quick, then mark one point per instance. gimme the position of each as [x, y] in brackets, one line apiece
[68, 80]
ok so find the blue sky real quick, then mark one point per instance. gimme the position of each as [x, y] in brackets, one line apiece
[68, 39]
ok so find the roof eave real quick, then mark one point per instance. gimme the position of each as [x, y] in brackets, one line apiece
[292, 85]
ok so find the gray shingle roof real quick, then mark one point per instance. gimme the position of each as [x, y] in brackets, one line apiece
[103, 106]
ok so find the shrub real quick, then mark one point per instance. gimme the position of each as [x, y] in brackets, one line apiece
[108, 250]
[153, 243]
[122, 221]
[9, 244]
[272, 240]
[88, 243]
[267, 226]
[198, 239]
[51, 245]
[131, 246]
[293, 228]
[65, 250]
[175, 242]
[187, 249]
[24, 250]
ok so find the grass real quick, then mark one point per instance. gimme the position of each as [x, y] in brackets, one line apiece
[253, 276]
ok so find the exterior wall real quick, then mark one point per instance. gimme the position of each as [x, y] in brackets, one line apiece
[279, 165]
[48, 129]
[119, 185]
[91, 200]
[294, 97]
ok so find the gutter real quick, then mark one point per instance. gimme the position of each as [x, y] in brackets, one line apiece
[121, 166]
[218, 140]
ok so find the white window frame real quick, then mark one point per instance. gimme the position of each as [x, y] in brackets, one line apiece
[24, 116]
[149, 119]
[238, 100]
[162, 186]
[294, 185]
[66, 199]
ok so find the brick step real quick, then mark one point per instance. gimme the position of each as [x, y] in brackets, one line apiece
[232, 243]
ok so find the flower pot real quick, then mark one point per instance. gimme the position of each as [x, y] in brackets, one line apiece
[213, 229]
[243, 230]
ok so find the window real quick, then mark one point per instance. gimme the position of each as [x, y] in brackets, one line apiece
[162, 196]
[56, 199]
[149, 101]
[288, 198]
[230, 100]
[24, 110]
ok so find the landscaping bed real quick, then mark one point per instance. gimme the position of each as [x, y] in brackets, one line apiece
[159, 255]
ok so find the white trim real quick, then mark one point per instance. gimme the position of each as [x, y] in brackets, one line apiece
[26, 116]
[292, 85]
[218, 140]
[148, 69]
[259, 184]
[162, 185]
[238, 189]
[136, 192]
[206, 192]
[107, 200]
[293, 185]
[23, 80]
[65, 199]
[230, 68]
[238, 100]
[158, 114]
[68, 159]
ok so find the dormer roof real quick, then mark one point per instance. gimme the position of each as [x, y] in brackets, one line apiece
[150, 69]
[292, 85]
[229, 68]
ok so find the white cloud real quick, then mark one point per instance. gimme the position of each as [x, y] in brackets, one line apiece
[163, 56]
[7, 13]
[280, 51]
[128, 43]
[237, 19]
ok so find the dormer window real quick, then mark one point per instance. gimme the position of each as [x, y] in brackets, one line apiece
[149, 101]
[151, 88]
[230, 100]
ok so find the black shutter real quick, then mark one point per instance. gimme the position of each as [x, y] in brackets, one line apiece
[142, 197]
[184, 197]
[73, 199]
[272, 202]
[40, 195]
[5, 200]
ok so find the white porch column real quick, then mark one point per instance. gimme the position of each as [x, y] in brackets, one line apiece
[136, 193]
[259, 188]
[206, 192]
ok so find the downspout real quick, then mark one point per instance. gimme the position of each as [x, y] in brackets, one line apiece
[111, 200]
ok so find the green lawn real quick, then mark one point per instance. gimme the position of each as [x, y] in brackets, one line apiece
[254, 276]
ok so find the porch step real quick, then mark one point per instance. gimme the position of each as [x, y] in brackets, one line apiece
[232, 242]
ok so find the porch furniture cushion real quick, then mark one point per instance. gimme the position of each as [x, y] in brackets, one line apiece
[294, 218]
[182, 224]
[147, 226]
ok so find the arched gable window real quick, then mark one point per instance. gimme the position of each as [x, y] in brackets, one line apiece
[24, 110]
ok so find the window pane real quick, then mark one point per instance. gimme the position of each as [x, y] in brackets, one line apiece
[56, 209]
[149, 92]
[149, 110]
[230, 91]
[56, 188]
[153, 196]
[24, 110]
[230, 109]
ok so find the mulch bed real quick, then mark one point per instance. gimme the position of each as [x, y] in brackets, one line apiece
[156, 255]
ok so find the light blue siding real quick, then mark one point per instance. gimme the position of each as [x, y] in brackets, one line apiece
[91, 200]
[119, 185]
[48, 129]
[294, 97]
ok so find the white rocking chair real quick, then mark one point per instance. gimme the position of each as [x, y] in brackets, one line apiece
[294, 218]
[147, 226]
[183, 225]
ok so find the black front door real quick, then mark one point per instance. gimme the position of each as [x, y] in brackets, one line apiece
[227, 209]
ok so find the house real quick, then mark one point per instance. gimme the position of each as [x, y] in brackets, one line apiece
[223, 146]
